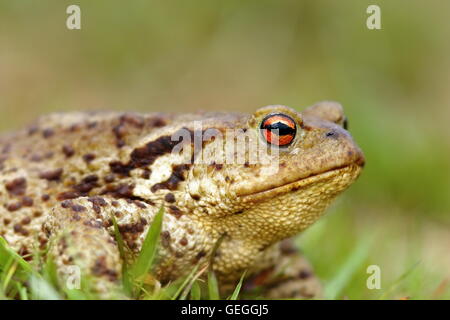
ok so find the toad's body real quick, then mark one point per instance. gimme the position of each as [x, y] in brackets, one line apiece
[65, 176]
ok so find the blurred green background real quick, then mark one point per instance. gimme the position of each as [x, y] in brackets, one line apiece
[239, 55]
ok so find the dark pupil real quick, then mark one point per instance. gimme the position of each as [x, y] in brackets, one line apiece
[282, 128]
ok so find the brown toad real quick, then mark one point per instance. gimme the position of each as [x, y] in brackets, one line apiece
[251, 180]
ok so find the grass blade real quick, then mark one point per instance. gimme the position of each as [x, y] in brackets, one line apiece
[126, 281]
[348, 269]
[196, 293]
[236, 291]
[148, 252]
[118, 236]
[42, 290]
[213, 286]
[6, 252]
[397, 282]
[189, 279]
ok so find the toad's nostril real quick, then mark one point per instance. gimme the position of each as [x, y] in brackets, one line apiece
[331, 134]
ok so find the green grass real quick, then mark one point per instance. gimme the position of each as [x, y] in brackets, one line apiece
[340, 263]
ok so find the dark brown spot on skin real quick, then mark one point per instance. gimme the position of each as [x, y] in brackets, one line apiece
[100, 269]
[68, 151]
[87, 184]
[175, 211]
[23, 251]
[45, 197]
[6, 221]
[78, 208]
[75, 127]
[37, 214]
[16, 187]
[132, 119]
[108, 224]
[47, 133]
[66, 204]
[36, 158]
[157, 122]
[218, 166]
[97, 203]
[195, 197]
[42, 242]
[51, 175]
[88, 157]
[121, 130]
[259, 279]
[175, 178]
[146, 173]
[115, 203]
[33, 129]
[199, 255]
[121, 191]
[27, 201]
[68, 195]
[304, 274]
[92, 125]
[18, 228]
[98, 200]
[140, 204]
[132, 245]
[120, 168]
[133, 227]
[25, 221]
[147, 154]
[165, 239]
[49, 155]
[183, 241]
[96, 208]
[93, 224]
[169, 198]
[287, 248]
[14, 206]
[109, 178]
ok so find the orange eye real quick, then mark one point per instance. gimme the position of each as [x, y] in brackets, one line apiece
[278, 129]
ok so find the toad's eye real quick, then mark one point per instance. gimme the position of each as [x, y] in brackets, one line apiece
[278, 129]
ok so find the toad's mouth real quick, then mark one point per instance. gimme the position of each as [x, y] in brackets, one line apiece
[345, 174]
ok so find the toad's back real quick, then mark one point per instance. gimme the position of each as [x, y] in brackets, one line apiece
[69, 155]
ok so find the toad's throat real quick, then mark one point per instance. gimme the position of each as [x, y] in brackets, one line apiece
[348, 172]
